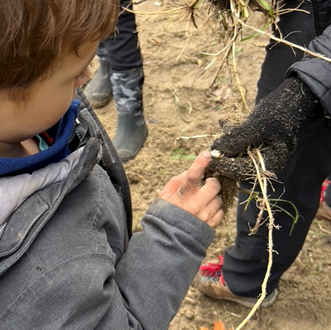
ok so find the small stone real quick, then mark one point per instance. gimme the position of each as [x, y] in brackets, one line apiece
[215, 154]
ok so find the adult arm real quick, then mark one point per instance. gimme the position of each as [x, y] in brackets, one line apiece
[278, 120]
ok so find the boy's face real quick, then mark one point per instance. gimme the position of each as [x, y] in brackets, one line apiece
[49, 98]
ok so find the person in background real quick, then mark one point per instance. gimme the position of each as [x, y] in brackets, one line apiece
[120, 75]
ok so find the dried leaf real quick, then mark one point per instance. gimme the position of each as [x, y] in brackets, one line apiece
[218, 325]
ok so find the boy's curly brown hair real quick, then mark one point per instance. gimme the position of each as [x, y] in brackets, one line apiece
[33, 34]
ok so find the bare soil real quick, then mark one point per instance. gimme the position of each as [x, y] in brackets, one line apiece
[179, 105]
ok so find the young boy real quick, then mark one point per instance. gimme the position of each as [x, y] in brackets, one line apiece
[66, 261]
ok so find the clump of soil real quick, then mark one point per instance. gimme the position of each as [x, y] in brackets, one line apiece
[228, 192]
[224, 5]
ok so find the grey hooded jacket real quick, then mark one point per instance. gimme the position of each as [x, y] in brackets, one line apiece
[313, 71]
[66, 260]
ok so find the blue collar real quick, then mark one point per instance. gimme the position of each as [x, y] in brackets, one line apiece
[61, 133]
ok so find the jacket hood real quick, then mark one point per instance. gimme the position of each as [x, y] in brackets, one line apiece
[16, 189]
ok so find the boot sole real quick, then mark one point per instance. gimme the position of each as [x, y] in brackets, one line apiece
[250, 302]
[99, 104]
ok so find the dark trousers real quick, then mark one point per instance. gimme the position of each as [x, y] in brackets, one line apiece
[121, 50]
[296, 27]
[245, 263]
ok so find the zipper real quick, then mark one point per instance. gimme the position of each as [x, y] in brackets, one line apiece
[314, 10]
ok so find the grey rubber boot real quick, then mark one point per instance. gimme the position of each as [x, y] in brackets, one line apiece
[98, 90]
[131, 131]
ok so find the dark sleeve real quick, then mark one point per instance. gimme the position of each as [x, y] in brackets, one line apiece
[316, 72]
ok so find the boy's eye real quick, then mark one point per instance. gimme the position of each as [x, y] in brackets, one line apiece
[83, 76]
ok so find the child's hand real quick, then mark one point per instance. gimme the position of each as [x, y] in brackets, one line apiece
[183, 191]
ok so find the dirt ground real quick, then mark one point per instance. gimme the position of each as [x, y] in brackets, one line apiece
[179, 103]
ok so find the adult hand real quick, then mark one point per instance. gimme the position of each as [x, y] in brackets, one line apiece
[273, 126]
[185, 192]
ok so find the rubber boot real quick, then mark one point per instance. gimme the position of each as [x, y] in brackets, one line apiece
[131, 131]
[98, 90]
[130, 135]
